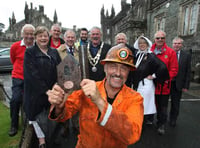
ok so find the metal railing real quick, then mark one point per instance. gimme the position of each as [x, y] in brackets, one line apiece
[195, 65]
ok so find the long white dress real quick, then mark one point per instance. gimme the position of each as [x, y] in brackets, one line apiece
[147, 90]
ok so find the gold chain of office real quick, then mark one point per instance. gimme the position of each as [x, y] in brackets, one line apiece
[95, 60]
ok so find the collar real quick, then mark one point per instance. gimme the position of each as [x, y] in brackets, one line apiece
[83, 42]
[39, 53]
[98, 46]
[140, 52]
[155, 50]
[22, 43]
[67, 47]
[178, 51]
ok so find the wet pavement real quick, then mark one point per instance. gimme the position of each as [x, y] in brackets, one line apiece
[185, 135]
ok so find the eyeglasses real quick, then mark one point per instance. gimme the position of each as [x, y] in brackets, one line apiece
[157, 38]
[177, 43]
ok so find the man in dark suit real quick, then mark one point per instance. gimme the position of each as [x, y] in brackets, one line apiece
[181, 82]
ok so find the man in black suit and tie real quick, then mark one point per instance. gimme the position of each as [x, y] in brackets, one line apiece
[181, 82]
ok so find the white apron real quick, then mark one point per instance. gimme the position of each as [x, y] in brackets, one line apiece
[148, 93]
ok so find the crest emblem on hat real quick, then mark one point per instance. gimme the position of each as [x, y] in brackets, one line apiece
[123, 54]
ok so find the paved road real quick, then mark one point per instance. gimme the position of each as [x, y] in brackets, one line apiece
[185, 135]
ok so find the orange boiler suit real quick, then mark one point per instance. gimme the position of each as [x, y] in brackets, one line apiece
[118, 126]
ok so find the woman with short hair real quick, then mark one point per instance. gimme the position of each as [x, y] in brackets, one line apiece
[40, 74]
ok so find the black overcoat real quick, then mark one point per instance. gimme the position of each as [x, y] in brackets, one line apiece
[40, 75]
[149, 65]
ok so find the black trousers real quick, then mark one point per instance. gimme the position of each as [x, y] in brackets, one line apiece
[175, 101]
[16, 100]
[161, 105]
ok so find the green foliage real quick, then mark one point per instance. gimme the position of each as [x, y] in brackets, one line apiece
[5, 140]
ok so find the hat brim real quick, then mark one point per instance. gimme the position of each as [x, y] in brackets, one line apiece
[132, 67]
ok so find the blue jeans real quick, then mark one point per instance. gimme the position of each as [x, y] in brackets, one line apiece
[16, 100]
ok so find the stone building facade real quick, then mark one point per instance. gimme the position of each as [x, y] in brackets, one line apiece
[145, 17]
[130, 22]
[32, 16]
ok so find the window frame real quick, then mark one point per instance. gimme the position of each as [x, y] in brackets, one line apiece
[189, 18]
[159, 22]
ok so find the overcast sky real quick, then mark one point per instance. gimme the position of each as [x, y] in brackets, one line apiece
[82, 13]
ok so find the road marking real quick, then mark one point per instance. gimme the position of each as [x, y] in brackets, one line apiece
[189, 100]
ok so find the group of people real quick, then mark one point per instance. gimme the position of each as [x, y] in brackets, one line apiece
[125, 85]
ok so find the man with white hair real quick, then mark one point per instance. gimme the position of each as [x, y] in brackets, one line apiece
[69, 46]
[121, 38]
[17, 51]
[168, 56]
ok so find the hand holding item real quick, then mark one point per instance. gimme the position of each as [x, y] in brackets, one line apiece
[57, 97]
[90, 90]
[150, 77]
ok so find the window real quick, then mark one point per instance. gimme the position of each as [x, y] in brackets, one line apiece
[159, 22]
[43, 20]
[193, 16]
[108, 31]
[5, 52]
[185, 25]
[139, 13]
[189, 18]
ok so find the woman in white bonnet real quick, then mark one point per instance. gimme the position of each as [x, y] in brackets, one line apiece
[145, 86]
[148, 69]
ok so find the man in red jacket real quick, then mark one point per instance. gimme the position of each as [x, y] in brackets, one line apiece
[17, 51]
[168, 56]
[55, 40]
